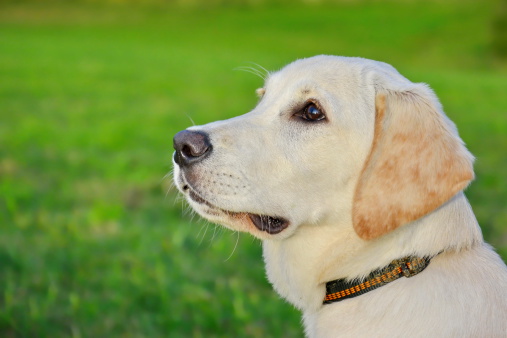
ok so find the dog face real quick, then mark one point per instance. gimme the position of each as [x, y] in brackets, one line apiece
[346, 139]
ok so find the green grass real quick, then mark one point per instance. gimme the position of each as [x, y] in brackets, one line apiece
[91, 243]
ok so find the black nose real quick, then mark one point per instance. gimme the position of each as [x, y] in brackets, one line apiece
[191, 147]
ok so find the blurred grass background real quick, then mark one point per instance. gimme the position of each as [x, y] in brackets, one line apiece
[94, 243]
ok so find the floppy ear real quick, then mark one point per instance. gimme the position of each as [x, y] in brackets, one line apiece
[417, 162]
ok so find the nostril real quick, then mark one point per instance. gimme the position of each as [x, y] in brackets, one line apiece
[193, 150]
[187, 151]
[191, 146]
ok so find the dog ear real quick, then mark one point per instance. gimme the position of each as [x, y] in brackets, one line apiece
[417, 162]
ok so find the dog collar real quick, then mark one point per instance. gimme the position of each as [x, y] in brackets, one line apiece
[341, 289]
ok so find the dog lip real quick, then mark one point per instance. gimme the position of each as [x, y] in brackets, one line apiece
[194, 195]
[270, 224]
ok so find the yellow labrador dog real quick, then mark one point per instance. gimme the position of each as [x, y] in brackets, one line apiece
[352, 176]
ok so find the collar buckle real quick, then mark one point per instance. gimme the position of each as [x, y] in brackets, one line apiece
[411, 266]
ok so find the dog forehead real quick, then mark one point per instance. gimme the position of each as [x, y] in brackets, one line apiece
[325, 70]
[317, 72]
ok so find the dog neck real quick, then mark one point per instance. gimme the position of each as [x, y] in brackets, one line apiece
[299, 266]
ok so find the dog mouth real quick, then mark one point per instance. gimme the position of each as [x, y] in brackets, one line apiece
[270, 224]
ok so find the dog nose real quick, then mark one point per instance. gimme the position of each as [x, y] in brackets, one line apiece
[191, 147]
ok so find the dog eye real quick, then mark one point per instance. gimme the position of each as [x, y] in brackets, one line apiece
[312, 113]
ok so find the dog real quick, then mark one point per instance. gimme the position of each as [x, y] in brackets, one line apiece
[352, 176]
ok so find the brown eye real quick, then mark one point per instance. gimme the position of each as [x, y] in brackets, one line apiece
[312, 113]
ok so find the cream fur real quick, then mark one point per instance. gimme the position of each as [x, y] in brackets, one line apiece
[380, 179]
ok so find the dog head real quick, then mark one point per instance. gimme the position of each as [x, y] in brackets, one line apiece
[332, 138]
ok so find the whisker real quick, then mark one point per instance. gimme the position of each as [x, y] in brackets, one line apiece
[214, 233]
[168, 175]
[249, 70]
[177, 199]
[235, 246]
[192, 121]
[253, 71]
[261, 69]
[205, 226]
[169, 189]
